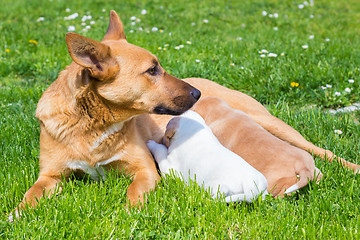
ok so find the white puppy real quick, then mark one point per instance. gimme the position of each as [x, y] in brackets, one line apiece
[194, 152]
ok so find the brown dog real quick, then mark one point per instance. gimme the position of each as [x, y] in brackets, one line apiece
[96, 113]
[286, 168]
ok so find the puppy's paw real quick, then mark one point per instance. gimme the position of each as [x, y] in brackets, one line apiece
[152, 145]
[13, 215]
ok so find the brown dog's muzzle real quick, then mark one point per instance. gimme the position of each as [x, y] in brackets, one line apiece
[182, 96]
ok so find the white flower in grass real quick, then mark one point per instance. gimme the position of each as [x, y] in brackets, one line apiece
[72, 16]
[143, 12]
[154, 29]
[232, 64]
[327, 40]
[351, 81]
[205, 21]
[92, 22]
[276, 15]
[270, 15]
[242, 67]
[133, 18]
[306, 3]
[103, 10]
[338, 131]
[131, 31]
[138, 20]
[193, 24]
[337, 93]
[282, 54]
[264, 51]
[264, 13]
[67, 10]
[181, 46]
[87, 27]
[328, 86]
[83, 24]
[262, 55]
[272, 55]
[311, 37]
[188, 42]
[348, 90]
[141, 29]
[177, 48]
[40, 19]
[301, 6]
[132, 23]
[239, 38]
[323, 88]
[197, 60]
[71, 28]
[276, 28]
[305, 46]
[311, 16]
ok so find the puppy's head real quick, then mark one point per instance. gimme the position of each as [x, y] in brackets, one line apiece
[171, 129]
[127, 76]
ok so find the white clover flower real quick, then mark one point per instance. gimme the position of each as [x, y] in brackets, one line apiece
[72, 16]
[188, 42]
[347, 90]
[272, 55]
[133, 18]
[328, 86]
[264, 51]
[92, 22]
[351, 81]
[71, 28]
[143, 12]
[337, 93]
[154, 29]
[177, 48]
[205, 21]
[264, 13]
[276, 15]
[138, 20]
[305, 46]
[181, 46]
[275, 28]
[87, 27]
[83, 24]
[338, 131]
[262, 55]
[40, 19]
[67, 10]
[301, 6]
[197, 60]
[311, 37]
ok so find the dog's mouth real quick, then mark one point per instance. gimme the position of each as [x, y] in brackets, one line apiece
[168, 111]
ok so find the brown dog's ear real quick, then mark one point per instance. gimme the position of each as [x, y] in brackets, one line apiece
[171, 128]
[93, 55]
[116, 29]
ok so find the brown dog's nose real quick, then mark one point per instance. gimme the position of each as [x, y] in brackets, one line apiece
[195, 93]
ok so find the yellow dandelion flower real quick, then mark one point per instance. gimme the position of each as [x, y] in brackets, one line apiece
[294, 84]
[33, 41]
[161, 211]
[7, 50]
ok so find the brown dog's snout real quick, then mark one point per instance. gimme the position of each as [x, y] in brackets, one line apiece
[195, 93]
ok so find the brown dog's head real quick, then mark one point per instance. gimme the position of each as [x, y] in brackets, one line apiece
[128, 76]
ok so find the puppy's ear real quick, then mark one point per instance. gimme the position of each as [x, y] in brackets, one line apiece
[93, 55]
[116, 28]
[171, 128]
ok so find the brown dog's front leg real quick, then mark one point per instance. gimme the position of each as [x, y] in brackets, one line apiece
[144, 181]
[45, 185]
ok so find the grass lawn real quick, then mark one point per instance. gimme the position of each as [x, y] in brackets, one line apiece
[298, 60]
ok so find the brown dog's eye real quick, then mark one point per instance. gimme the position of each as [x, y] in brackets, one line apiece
[152, 71]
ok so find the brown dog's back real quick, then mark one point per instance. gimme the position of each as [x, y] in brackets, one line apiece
[282, 164]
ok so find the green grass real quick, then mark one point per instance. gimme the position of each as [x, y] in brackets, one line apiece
[88, 210]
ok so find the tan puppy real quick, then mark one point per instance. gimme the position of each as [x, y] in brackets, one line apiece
[96, 113]
[286, 168]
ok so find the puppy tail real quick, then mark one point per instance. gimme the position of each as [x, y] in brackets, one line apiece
[305, 177]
